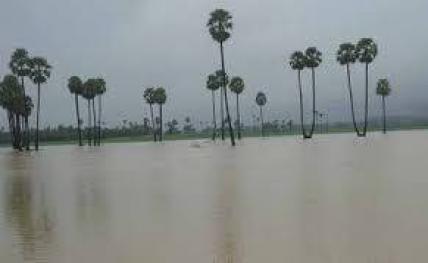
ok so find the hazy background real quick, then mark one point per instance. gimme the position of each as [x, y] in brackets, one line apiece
[139, 43]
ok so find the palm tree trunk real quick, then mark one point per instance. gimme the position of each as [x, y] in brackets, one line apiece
[26, 133]
[18, 133]
[12, 130]
[214, 118]
[384, 114]
[229, 121]
[222, 112]
[299, 80]
[261, 122]
[314, 111]
[36, 144]
[351, 100]
[160, 124]
[238, 116]
[99, 119]
[89, 123]
[366, 112]
[153, 122]
[79, 132]
[94, 133]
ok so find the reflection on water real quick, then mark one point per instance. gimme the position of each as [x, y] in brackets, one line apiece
[333, 199]
[26, 210]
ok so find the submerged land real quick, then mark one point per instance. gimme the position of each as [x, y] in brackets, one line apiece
[335, 198]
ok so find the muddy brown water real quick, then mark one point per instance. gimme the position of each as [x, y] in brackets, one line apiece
[332, 199]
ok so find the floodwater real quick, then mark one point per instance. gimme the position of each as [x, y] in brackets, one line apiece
[332, 199]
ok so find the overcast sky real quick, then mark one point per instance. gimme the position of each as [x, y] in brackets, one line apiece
[139, 43]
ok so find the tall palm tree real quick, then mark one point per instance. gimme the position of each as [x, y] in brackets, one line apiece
[20, 65]
[219, 25]
[383, 89]
[160, 99]
[89, 92]
[347, 55]
[312, 61]
[261, 101]
[94, 115]
[40, 73]
[223, 79]
[75, 86]
[150, 99]
[366, 51]
[213, 85]
[237, 86]
[101, 89]
[298, 62]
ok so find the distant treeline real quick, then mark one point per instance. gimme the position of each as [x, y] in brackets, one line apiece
[144, 131]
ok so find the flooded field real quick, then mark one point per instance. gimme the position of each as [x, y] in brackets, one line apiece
[332, 199]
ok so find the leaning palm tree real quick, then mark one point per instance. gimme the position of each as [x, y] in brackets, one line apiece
[40, 73]
[20, 65]
[366, 51]
[75, 86]
[150, 99]
[312, 61]
[160, 99]
[384, 90]
[219, 25]
[101, 89]
[213, 85]
[261, 101]
[347, 55]
[237, 86]
[298, 62]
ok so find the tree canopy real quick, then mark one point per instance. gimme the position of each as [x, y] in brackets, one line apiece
[219, 25]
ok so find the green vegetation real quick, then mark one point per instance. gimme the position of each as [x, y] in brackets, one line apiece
[219, 25]
[160, 99]
[383, 89]
[237, 86]
[213, 84]
[14, 99]
[40, 73]
[299, 61]
[261, 101]
[365, 52]
[150, 99]
[75, 86]
[18, 106]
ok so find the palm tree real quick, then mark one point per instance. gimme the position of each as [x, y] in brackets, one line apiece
[94, 115]
[40, 73]
[101, 89]
[366, 50]
[222, 80]
[237, 86]
[219, 25]
[261, 101]
[75, 86]
[213, 85]
[384, 90]
[347, 55]
[160, 99]
[11, 99]
[312, 61]
[149, 98]
[298, 62]
[89, 92]
[20, 65]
